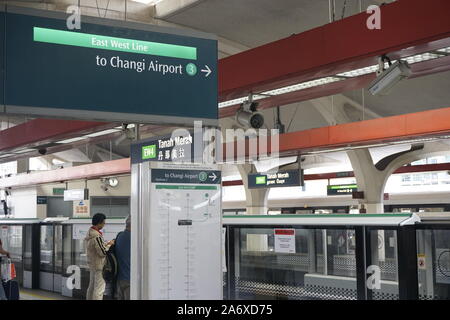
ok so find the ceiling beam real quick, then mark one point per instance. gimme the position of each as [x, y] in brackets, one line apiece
[326, 51]
[87, 171]
[425, 124]
[167, 8]
[41, 131]
[119, 167]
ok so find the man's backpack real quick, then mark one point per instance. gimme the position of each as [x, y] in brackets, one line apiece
[111, 266]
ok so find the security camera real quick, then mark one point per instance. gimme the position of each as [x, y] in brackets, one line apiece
[388, 78]
[104, 184]
[42, 151]
[249, 105]
[127, 134]
[249, 119]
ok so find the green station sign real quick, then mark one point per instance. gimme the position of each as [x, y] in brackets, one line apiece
[343, 189]
[288, 178]
[109, 70]
[78, 39]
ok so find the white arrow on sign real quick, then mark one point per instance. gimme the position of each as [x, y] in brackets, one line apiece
[207, 70]
[213, 176]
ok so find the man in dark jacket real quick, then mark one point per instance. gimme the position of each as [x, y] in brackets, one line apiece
[123, 254]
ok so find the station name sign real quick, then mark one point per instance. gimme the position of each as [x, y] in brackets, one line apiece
[108, 70]
[288, 178]
[177, 148]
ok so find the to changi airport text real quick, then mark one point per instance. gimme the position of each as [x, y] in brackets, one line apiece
[139, 65]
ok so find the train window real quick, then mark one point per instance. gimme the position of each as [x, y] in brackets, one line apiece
[354, 210]
[404, 210]
[304, 211]
[437, 209]
[323, 211]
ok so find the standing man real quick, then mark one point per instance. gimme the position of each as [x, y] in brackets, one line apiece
[123, 253]
[3, 251]
[96, 250]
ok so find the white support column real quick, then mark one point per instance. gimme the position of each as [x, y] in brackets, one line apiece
[23, 165]
[369, 179]
[256, 199]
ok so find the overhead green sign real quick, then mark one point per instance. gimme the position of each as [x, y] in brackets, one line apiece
[58, 191]
[78, 39]
[287, 178]
[109, 70]
[337, 190]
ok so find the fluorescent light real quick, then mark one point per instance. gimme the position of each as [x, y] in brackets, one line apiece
[101, 133]
[150, 2]
[444, 50]
[360, 72]
[6, 155]
[24, 150]
[129, 126]
[71, 140]
[301, 86]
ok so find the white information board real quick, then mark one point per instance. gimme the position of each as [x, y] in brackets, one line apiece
[186, 234]
[284, 240]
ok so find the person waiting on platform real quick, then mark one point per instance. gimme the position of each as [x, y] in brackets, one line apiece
[3, 251]
[123, 253]
[96, 250]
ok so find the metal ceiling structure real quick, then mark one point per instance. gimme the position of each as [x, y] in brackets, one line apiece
[302, 61]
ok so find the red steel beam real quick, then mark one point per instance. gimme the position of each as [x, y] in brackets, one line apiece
[41, 131]
[418, 70]
[431, 123]
[344, 45]
[87, 171]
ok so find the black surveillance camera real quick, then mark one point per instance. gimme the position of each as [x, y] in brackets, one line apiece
[42, 151]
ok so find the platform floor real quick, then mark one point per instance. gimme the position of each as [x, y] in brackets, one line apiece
[29, 294]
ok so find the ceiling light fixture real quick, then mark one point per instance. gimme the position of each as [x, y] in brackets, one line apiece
[149, 2]
[101, 133]
[72, 140]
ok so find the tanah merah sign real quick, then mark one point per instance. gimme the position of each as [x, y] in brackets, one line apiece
[287, 178]
[165, 148]
[126, 71]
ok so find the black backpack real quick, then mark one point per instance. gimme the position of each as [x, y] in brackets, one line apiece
[111, 266]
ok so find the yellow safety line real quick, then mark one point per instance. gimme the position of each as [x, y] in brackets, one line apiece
[37, 296]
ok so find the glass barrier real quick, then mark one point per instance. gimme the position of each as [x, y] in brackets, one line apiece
[12, 237]
[290, 264]
[383, 244]
[433, 259]
[46, 248]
